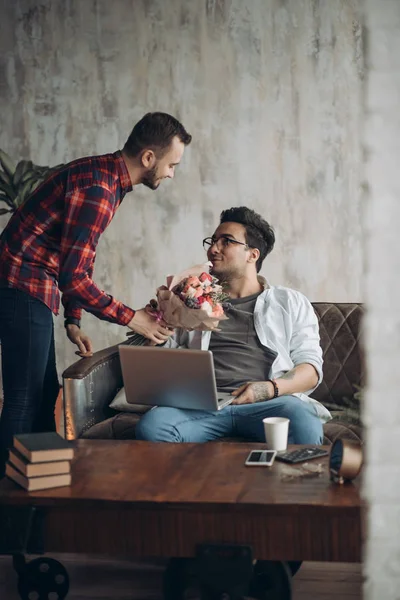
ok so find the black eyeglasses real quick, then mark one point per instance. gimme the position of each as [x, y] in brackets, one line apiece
[222, 242]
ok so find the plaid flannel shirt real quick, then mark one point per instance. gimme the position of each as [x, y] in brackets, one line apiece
[49, 244]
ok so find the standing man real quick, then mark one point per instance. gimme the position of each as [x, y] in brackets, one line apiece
[48, 246]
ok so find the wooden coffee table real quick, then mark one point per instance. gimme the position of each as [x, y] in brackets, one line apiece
[144, 499]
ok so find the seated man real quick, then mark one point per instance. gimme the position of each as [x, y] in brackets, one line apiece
[267, 353]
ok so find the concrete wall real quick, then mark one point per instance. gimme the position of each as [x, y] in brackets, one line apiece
[270, 90]
[382, 199]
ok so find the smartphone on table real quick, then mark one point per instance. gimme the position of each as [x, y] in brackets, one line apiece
[260, 458]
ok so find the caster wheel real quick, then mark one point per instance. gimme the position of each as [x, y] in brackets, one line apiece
[271, 580]
[43, 579]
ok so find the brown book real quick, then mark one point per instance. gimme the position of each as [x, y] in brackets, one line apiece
[38, 469]
[37, 483]
[43, 447]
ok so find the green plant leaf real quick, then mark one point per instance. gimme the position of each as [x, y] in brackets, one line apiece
[23, 167]
[4, 178]
[8, 190]
[26, 190]
[8, 202]
[17, 184]
[7, 163]
[29, 174]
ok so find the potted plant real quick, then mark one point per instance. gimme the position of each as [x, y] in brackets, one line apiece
[17, 182]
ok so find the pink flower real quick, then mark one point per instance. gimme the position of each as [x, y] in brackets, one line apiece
[191, 292]
[218, 311]
[193, 280]
[205, 277]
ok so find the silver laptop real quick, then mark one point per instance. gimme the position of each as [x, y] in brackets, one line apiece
[170, 377]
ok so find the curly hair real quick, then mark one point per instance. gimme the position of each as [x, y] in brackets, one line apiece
[259, 233]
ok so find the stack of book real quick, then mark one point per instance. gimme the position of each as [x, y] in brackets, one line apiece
[39, 461]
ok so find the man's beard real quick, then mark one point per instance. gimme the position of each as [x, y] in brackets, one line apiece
[150, 179]
[222, 276]
[226, 276]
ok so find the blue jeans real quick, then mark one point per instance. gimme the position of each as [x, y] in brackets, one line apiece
[164, 424]
[30, 381]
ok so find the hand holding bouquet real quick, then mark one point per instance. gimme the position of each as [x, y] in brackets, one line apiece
[192, 300]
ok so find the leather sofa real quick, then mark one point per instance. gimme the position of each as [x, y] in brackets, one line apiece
[90, 384]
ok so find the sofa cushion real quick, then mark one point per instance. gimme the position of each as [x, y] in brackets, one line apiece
[120, 427]
[340, 333]
[341, 430]
[120, 403]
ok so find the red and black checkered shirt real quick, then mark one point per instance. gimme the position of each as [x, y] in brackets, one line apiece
[49, 244]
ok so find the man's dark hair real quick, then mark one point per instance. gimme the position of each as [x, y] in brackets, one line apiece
[259, 233]
[155, 131]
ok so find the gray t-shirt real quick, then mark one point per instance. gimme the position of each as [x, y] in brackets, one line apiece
[239, 356]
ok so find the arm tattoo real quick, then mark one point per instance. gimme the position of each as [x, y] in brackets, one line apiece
[261, 391]
[288, 375]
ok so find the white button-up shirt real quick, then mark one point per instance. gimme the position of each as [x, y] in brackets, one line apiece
[285, 322]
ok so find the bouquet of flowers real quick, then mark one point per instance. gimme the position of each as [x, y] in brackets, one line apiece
[192, 300]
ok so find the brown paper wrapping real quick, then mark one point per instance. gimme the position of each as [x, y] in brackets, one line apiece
[175, 312]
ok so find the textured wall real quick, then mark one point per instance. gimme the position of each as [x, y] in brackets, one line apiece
[382, 198]
[270, 89]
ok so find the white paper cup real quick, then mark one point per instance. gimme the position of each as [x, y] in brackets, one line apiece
[276, 433]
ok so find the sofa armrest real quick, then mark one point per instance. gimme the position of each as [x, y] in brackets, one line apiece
[89, 385]
[83, 367]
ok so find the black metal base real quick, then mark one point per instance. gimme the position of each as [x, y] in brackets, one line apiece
[21, 530]
[41, 577]
[226, 573]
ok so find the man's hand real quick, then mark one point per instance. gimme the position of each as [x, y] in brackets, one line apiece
[156, 331]
[256, 391]
[76, 336]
